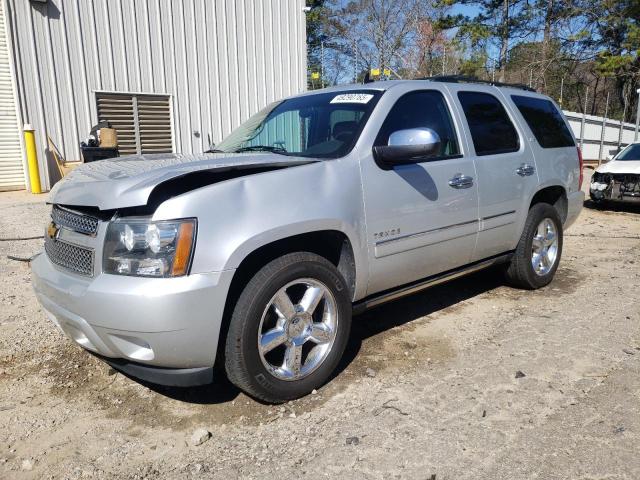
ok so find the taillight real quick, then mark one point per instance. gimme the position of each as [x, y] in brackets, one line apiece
[581, 163]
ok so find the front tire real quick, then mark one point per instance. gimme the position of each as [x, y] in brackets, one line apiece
[289, 328]
[538, 253]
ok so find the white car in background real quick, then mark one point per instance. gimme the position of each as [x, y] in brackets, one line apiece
[619, 179]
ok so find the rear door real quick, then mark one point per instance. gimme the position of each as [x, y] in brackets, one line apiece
[551, 140]
[418, 223]
[505, 168]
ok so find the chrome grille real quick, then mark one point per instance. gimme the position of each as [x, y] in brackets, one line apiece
[69, 256]
[74, 221]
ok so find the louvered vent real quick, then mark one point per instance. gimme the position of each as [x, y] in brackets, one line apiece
[154, 120]
[119, 110]
[143, 122]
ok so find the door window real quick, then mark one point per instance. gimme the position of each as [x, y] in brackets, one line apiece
[545, 121]
[491, 129]
[422, 109]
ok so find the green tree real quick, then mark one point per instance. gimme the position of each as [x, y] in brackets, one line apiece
[614, 36]
[316, 37]
[474, 39]
[500, 24]
[552, 22]
[432, 51]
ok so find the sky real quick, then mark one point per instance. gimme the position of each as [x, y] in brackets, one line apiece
[469, 10]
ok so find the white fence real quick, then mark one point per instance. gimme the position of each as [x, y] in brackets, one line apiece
[595, 145]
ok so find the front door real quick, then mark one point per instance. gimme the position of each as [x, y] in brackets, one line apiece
[422, 218]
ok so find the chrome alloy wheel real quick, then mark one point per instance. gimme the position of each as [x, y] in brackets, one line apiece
[298, 329]
[544, 249]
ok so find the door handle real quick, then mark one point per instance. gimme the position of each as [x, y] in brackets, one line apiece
[461, 181]
[525, 170]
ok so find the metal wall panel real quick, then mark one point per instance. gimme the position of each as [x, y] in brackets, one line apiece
[219, 60]
[614, 131]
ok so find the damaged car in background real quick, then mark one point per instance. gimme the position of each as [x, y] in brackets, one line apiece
[619, 179]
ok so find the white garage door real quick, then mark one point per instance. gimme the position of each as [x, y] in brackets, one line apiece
[11, 167]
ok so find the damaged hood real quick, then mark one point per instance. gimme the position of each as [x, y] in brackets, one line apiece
[620, 166]
[128, 181]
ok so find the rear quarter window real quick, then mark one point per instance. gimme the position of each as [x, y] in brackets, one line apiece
[491, 129]
[545, 121]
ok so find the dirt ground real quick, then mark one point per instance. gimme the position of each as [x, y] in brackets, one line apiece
[427, 390]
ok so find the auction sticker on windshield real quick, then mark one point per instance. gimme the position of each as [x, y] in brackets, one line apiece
[352, 98]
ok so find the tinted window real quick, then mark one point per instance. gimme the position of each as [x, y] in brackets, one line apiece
[491, 129]
[545, 121]
[421, 109]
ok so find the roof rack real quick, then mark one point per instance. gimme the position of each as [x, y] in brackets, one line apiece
[469, 79]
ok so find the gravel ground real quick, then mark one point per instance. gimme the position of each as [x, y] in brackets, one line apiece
[470, 380]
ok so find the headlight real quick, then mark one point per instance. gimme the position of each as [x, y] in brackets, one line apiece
[143, 248]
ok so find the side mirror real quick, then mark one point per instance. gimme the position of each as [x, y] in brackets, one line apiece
[408, 146]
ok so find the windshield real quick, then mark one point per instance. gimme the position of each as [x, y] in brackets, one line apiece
[632, 152]
[325, 125]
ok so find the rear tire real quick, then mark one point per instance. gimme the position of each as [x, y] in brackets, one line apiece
[289, 328]
[536, 258]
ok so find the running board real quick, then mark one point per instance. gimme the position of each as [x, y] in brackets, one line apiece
[410, 289]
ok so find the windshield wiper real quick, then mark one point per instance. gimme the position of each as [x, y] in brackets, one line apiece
[214, 150]
[263, 148]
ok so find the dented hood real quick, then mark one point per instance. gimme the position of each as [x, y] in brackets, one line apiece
[128, 181]
[620, 166]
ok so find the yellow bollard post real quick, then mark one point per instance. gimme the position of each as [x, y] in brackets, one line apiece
[32, 158]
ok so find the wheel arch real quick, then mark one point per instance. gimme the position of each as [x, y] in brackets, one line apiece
[333, 244]
[323, 237]
[554, 195]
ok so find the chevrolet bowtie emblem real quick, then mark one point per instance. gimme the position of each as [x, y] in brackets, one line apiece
[52, 231]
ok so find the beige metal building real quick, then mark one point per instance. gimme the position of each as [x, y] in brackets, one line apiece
[171, 75]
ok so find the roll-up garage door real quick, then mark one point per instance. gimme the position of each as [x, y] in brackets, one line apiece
[11, 166]
[143, 122]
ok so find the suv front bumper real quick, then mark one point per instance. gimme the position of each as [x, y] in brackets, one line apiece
[140, 324]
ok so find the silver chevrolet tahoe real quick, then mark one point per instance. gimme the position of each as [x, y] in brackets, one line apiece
[255, 255]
